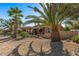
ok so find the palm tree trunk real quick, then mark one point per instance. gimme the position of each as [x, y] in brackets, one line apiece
[15, 28]
[55, 34]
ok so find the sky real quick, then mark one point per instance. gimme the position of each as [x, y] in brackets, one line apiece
[4, 7]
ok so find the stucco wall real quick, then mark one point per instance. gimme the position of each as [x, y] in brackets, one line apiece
[63, 34]
[68, 34]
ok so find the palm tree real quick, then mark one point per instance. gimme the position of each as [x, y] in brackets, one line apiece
[53, 15]
[6, 23]
[15, 15]
[34, 19]
[68, 24]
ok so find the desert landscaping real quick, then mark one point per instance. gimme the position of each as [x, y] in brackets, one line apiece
[39, 29]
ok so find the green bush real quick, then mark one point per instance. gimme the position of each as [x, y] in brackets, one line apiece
[1, 31]
[23, 34]
[76, 39]
[67, 29]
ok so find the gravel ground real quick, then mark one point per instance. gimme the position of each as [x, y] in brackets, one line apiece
[37, 46]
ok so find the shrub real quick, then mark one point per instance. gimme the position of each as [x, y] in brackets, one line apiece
[23, 34]
[67, 29]
[76, 39]
[1, 31]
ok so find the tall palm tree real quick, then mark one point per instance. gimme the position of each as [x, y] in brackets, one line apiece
[53, 15]
[15, 15]
[33, 19]
[68, 24]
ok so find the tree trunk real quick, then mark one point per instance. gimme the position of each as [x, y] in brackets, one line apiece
[55, 34]
[15, 32]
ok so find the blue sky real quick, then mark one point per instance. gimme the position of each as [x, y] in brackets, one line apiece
[4, 7]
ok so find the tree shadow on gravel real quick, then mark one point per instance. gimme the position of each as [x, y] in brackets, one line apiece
[4, 40]
[56, 50]
[15, 51]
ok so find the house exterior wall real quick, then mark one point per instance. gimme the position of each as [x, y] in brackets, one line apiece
[63, 34]
[68, 34]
